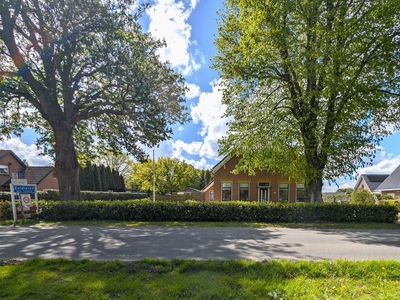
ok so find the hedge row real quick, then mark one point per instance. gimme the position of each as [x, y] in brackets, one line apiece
[140, 210]
[86, 195]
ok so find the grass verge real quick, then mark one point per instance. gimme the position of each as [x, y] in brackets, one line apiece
[189, 279]
[30, 222]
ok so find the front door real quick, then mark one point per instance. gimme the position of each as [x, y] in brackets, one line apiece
[263, 195]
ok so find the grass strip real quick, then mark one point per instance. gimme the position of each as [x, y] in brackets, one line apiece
[316, 225]
[190, 279]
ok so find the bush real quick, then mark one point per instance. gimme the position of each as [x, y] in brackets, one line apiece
[86, 195]
[143, 210]
[360, 196]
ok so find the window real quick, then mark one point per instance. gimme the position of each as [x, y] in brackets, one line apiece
[263, 184]
[211, 195]
[3, 170]
[283, 192]
[244, 191]
[300, 193]
[226, 191]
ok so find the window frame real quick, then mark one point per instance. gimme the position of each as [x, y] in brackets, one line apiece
[303, 188]
[248, 190]
[222, 190]
[4, 167]
[281, 189]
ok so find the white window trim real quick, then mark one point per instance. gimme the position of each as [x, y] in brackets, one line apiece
[222, 190]
[288, 191]
[248, 188]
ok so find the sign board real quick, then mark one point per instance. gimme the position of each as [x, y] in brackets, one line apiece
[19, 181]
[18, 175]
[23, 193]
[24, 189]
[26, 199]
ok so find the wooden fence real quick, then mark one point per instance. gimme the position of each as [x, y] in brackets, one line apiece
[179, 198]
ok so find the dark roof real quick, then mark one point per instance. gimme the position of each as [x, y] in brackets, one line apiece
[6, 152]
[372, 180]
[190, 189]
[392, 182]
[34, 175]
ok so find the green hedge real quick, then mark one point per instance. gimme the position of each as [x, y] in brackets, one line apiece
[140, 210]
[86, 195]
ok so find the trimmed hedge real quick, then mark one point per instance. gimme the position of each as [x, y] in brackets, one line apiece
[86, 195]
[140, 210]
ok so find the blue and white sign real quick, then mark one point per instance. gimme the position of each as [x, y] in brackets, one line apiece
[24, 189]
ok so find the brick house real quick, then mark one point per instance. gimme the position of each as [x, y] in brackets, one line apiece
[263, 187]
[370, 182]
[10, 163]
[391, 185]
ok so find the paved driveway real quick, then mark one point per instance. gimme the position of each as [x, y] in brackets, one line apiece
[135, 243]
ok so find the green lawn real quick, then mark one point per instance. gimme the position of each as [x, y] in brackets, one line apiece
[28, 222]
[189, 279]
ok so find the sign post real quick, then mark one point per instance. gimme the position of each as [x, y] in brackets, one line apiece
[24, 192]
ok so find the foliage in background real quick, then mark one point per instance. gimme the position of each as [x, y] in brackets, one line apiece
[362, 196]
[311, 86]
[120, 162]
[171, 175]
[100, 178]
[84, 76]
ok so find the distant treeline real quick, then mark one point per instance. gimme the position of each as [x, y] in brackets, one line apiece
[100, 178]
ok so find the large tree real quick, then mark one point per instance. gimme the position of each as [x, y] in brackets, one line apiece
[311, 86]
[83, 74]
[170, 174]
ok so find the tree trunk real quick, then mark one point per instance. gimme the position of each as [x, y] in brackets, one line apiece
[314, 191]
[66, 165]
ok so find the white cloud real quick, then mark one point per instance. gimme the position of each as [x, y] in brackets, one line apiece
[384, 163]
[194, 91]
[192, 148]
[199, 164]
[208, 112]
[28, 152]
[168, 21]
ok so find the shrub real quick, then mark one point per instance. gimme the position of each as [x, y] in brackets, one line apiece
[360, 196]
[144, 210]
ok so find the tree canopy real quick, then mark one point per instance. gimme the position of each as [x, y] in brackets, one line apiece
[171, 175]
[84, 76]
[311, 86]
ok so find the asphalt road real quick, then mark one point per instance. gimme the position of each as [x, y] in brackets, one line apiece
[201, 243]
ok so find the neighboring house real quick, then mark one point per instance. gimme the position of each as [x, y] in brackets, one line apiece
[391, 185]
[263, 187]
[188, 190]
[10, 163]
[370, 182]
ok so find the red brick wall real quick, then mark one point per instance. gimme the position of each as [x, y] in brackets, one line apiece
[224, 175]
[208, 191]
[362, 185]
[49, 182]
[13, 165]
[396, 193]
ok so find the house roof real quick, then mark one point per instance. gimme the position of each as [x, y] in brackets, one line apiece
[221, 163]
[211, 184]
[392, 182]
[372, 180]
[190, 190]
[34, 175]
[4, 153]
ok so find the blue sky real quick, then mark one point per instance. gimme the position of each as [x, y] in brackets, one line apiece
[189, 28]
